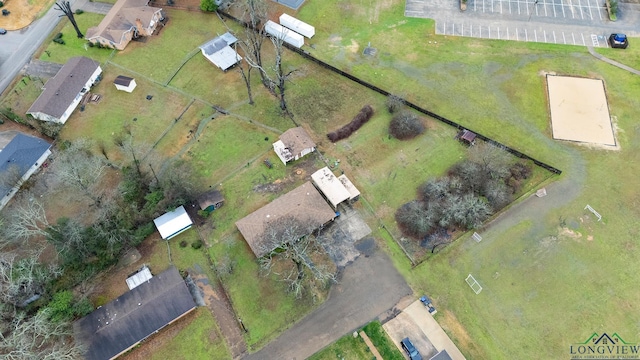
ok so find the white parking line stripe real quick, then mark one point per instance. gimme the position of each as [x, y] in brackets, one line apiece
[482, 5]
[508, 34]
[583, 43]
[573, 13]
[535, 33]
[554, 37]
[574, 38]
[491, 5]
[564, 38]
[580, 7]
[500, 7]
[518, 7]
[509, 7]
[453, 29]
[526, 35]
[517, 36]
[545, 8]
[554, 8]
[545, 35]
[562, 6]
[599, 13]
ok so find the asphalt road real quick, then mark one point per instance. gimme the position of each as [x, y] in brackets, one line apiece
[368, 288]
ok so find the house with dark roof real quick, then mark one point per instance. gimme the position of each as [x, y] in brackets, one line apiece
[20, 156]
[219, 52]
[116, 327]
[63, 92]
[303, 203]
[210, 200]
[293, 144]
[127, 20]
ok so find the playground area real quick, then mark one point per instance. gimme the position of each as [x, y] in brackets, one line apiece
[579, 110]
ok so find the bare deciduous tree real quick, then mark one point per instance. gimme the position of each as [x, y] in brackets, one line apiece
[11, 177]
[255, 16]
[290, 239]
[77, 166]
[65, 7]
[37, 337]
[28, 220]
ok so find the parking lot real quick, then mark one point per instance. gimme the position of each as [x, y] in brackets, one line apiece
[568, 22]
[587, 10]
[522, 32]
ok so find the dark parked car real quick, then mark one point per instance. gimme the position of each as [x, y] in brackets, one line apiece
[411, 350]
[2, 31]
[618, 41]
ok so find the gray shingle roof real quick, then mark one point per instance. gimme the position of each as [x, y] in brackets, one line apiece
[60, 91]
[19, 151]
[137, 314]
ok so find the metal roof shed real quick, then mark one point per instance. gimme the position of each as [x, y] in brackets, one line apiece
[354, 193]
[173, 223]
[298, 26]
[289, 36]
[219, 52]
[330, 186]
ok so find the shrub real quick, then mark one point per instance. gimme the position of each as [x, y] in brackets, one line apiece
[59, 41]
[197, 244]
[142, 232]
[344, 132]
[183, 243]
[79, 11]
[414, 219]
[406, 125]
[60, 306]
[394, 103]
[58, 36]
[208, 5]
[520, 171]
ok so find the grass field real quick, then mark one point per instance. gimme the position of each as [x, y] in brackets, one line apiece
[347, 347]
[551, 274]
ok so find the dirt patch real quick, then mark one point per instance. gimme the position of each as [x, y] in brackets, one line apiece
[154, 344]
[23, 12]
[455, 330]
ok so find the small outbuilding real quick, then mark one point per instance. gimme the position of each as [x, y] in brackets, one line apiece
[298, 26]
[354, 193]
[125, 83]
[287, 35]
[467, 136]
[293, 144]
[173, 223]
[219, 52]
[211, 200]
[329, 185]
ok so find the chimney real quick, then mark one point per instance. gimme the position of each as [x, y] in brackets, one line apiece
[140, 28]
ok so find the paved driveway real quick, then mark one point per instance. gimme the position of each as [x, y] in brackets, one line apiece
[369, 287]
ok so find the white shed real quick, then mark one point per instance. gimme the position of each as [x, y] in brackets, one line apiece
[298, 26]
[354, 193]
[220, 52]
[173, 223]
[330, 186]
[287, 35]
[125, 83]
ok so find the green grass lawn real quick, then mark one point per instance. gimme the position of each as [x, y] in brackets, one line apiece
[73, 46]
[147, 119]
[382, 342]
[201, 339]
[347, 347]
[22, 96]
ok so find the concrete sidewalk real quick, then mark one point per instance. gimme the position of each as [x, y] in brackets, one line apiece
[430, 327]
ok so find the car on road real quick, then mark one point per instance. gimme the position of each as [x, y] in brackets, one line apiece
[618, 41]
[2, 31]
[411, 350]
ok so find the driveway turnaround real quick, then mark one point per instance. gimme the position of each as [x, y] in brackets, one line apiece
[423, 330]
[368, 287]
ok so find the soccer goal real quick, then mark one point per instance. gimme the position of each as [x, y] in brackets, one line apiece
[471, 281]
